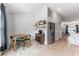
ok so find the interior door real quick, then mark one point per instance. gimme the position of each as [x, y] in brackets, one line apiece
[51, 32]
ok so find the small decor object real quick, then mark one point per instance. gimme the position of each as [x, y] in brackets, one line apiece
[40, 24]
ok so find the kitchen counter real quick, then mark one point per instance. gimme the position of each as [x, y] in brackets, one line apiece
[73, 39]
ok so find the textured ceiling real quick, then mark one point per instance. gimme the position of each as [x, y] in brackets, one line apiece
[30, 8]
[67, 10]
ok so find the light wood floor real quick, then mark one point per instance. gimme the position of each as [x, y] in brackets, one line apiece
[59, 48]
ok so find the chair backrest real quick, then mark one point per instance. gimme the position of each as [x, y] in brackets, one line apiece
[40, 31]
[11, 37]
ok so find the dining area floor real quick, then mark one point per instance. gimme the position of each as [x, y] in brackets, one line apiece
[59, 48]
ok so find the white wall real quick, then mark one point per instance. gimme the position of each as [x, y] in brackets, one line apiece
[22, 23]
[42, 14]
[10, 24]
[57, 19]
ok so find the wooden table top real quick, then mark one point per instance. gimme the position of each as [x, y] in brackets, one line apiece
[20, 35]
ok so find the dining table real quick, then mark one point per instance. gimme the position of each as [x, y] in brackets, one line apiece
[20, 38]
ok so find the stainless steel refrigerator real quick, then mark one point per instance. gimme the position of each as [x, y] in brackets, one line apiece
[51, 32]
[3, 30]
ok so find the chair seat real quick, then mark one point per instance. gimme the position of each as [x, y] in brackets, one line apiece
[20, 40]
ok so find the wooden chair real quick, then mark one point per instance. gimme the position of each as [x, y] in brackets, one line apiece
[13, 44]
